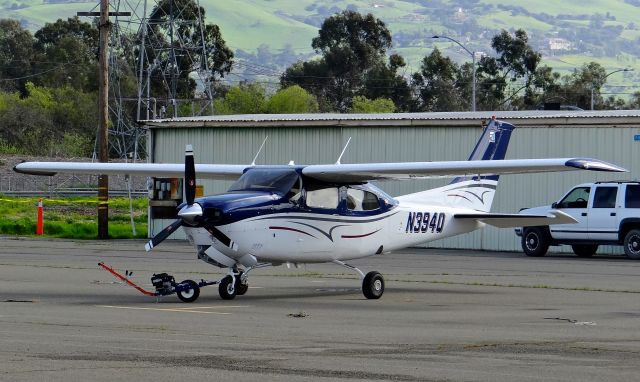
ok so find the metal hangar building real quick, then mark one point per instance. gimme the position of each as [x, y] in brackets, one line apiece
[400, 137]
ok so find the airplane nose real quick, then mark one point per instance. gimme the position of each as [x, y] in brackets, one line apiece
[190, 213]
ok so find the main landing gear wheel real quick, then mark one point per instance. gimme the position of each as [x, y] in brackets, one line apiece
[227, 288]
[191, 294]
[373, 285]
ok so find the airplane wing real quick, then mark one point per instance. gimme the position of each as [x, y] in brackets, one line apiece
[170, 170]
[342, 173]
[346, 173]
[518, 220]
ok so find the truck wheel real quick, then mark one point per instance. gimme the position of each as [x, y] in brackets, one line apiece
[632, 244]
[535, 241]
[584, 250]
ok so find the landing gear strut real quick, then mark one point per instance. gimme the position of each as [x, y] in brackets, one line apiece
[372, 282]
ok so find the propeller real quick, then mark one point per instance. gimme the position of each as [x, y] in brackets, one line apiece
[188, 214]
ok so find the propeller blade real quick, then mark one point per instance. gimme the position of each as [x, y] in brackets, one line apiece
[189, 175]
[159, 238]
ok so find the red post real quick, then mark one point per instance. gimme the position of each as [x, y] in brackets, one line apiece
[40, 223]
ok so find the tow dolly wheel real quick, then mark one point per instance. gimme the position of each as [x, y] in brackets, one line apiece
[189, 294]
[226, 288]
[373, 285]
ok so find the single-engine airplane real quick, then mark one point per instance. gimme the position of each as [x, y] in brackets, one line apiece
[329, 213]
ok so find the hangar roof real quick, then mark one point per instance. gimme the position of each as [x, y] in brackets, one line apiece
[529, 117]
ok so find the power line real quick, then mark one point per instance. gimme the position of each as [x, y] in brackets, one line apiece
[33, 75]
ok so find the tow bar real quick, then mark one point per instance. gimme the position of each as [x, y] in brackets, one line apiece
[165, 284]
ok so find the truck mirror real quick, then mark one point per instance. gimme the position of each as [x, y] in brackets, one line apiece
[554, 205]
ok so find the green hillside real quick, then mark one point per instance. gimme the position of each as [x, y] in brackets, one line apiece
[594, 30]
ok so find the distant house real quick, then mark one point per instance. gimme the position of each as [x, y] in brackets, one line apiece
[557, 44]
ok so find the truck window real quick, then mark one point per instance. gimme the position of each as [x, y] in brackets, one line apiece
[577, 198]
[632, 196]
[605, 197]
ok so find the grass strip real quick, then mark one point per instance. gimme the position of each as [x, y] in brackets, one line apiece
[72, 217]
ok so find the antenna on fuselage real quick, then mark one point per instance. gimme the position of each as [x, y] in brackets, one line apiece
[343, 150]
[253, 163]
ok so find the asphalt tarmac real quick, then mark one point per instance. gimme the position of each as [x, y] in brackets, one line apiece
[446, 315]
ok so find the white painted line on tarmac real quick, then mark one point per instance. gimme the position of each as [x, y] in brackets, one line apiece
[213, 307]
[161, 309]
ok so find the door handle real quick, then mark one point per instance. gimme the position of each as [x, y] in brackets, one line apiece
[613, 214]
[584, 214]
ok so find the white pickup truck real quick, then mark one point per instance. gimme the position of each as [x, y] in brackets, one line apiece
[607, 213]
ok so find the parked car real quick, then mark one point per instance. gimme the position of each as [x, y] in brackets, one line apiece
[607, 213]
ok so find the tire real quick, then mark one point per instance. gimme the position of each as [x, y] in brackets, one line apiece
[191, 294]
[585, 250]
[632, 244]
[535, 241]
[241, 288]
[226, 288]
[373, 285]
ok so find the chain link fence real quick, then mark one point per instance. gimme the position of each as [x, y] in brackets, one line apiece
[60, 185]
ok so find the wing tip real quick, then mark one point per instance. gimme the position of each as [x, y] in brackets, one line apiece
[19, 170]
[594, 165]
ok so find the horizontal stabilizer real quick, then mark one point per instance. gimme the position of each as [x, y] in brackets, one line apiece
[519, 220]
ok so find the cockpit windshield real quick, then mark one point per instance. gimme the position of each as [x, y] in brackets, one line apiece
[277, 181]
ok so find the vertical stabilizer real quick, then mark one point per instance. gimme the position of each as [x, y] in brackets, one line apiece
[473, 192]
[492, 145]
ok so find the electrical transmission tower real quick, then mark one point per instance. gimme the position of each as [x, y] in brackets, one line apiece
[162, 50]
[172, 52]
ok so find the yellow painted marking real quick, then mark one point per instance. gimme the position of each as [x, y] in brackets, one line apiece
[160, 309]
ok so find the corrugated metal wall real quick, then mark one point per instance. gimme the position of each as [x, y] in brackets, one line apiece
[399, 144]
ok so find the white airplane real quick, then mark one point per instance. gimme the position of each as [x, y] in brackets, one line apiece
[329, 213]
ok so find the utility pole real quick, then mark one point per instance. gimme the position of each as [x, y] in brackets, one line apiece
[103, 135]
[103, 131]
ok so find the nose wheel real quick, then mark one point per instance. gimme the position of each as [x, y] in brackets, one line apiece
[233, 285]
[227, 288]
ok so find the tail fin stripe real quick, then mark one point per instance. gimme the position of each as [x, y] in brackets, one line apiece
[480, 185]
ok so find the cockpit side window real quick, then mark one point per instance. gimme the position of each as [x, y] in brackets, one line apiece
[360, 200]
[326, 198]
[577, 198]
